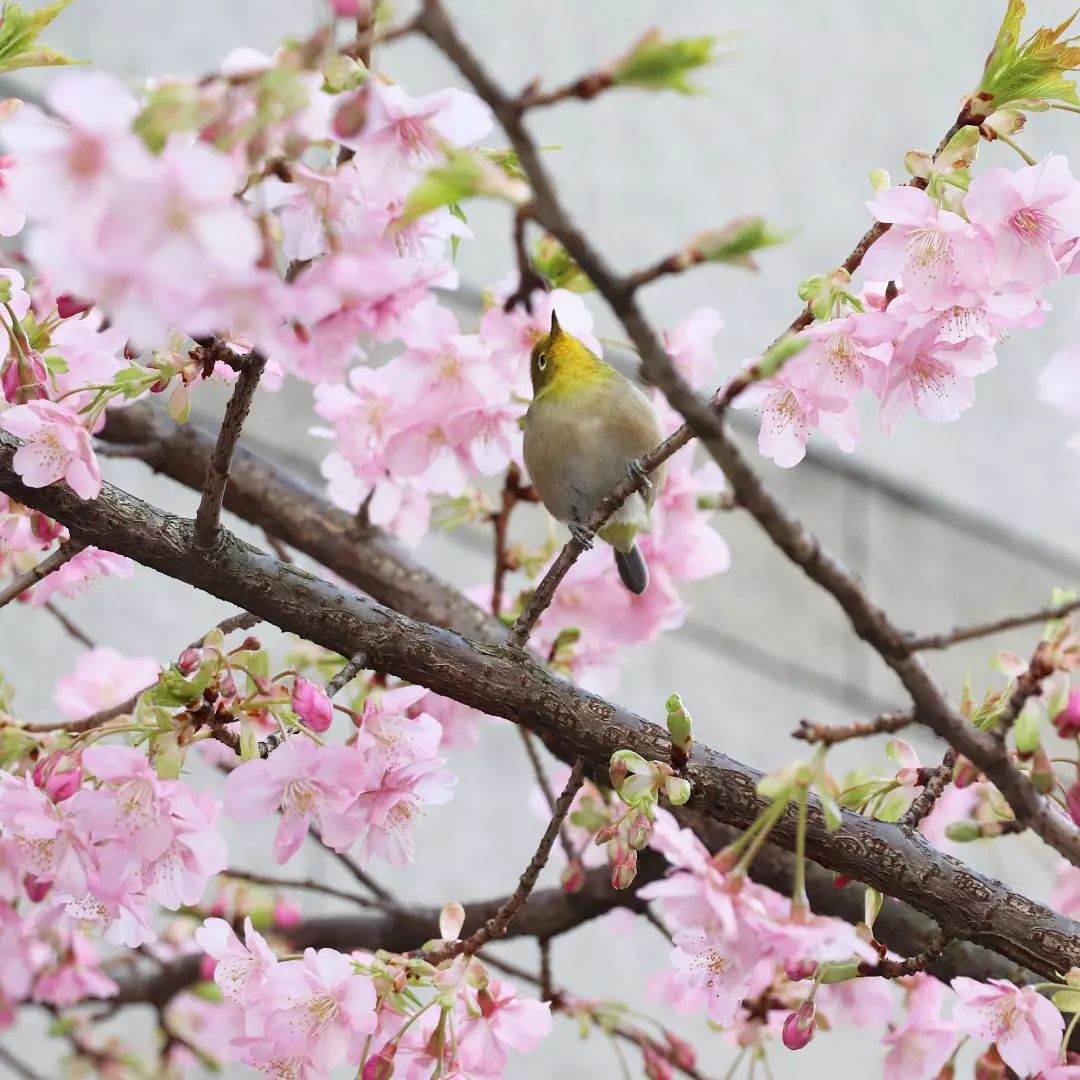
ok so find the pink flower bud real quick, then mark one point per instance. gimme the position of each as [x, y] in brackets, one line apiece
[62, 785]
[640, 832]
[286, 913]
[351, 116]
[311, 704]
[656, 1067]
[36, 888]
[573, 877]
[1072, 802]
[989, 1065]
[624, 871]
[1067, 721]
[682, 1053]
[207, 964]
[797, 970]
[227, 684]
[606, 834]
[44, 528]
[965, 773]
[617, 773]
[189, 661]
[381, 1066]
[68, 305]
[346, 9]
[799, 1026]
[250, 644]
[841, 881]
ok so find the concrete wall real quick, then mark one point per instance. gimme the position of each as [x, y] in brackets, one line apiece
[945, 524]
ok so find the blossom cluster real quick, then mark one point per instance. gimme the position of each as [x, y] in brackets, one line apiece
[304, 1016]
[947, 279]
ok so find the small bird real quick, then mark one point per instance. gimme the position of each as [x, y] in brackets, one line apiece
[587, 427]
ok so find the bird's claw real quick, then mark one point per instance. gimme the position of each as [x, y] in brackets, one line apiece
[637, 471]
[581, 534]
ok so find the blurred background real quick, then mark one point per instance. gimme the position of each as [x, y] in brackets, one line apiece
[945, 523]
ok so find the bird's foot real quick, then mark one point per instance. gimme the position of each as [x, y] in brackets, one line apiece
[581, 534]
[637, 471]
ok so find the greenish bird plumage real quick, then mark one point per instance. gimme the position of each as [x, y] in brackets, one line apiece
[588, 425]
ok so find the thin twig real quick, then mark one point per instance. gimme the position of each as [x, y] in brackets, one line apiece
[306, 884]
[979, 630]
[541, 775]
[496, 926]
[912, 965]
[824, 733]
[64, 553]
[70, 628]
[242, 620]
[528, 279]
[1028, 685]
[346, 674]
[208, 516]
[931, 792]
[357, 872]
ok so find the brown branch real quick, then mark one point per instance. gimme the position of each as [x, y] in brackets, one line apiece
[979, 630]
[897, 969]
[1028, 685]
[305, 884]
[513, 492]
[496, 927]
[70, 628]
[528, 739]
[932, 791]
[64, 553]
[705, 421]
[584, 89]
[574, 724]
[829, 735]
[528, 279]
[346, 675]
[208, 517]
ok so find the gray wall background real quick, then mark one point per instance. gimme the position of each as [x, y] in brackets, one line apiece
[946, 524]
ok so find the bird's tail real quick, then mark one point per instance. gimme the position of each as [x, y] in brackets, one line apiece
[632, 569]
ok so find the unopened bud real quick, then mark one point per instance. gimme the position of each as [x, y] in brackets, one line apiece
[617, 773]
[286, 913]
[963, 832]
[36, 888]
[1072, 802]
[965, 774]
[351, 116]
[682, 1053]
[680, 725]
[677, 789]
[573, 877]
[656, 1067]
[624, 871]
[189, 661]
[797, 970]
[451, 920]
[799, 1026]
[606, 834]
[640, 832]
[1042, 771]
[381, 1066]
[250, 644]
[1027, 729]
[62, 785]
[68, 306]
[989, 1065]
[311, 704]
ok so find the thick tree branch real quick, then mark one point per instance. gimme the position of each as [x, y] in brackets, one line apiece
[507, 683]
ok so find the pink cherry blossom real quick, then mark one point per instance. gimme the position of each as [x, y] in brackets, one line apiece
[922, 1043]
[79, 573]
[56, 447]
[690, 345]
[1027, 212]
[846, 354]
[789, 411]
[12, 215]
[936, 377]
[241, 970]
[932, 251]
[497, 1020]
[1066, 895]
[1025, 1026]
[321, 1005]
[103, 678]
[308, 783]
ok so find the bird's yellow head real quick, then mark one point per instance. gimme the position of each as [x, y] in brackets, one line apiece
[560, 364]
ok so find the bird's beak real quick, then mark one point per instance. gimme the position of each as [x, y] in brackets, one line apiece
[555, 328]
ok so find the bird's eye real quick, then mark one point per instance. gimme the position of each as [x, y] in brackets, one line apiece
[541, 361]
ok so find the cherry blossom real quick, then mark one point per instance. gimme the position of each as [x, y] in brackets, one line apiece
[102, 679]
[1025, 1026]
[56, 447]
[922, 1043]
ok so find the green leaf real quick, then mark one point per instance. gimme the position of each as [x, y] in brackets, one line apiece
[19, 32]
[463, 175]
[1067, 1001]
[831, 810]
[656, 64]
[736, 242]
[553, 261]
[1027, 71]
[173, 690]
[170, 107]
